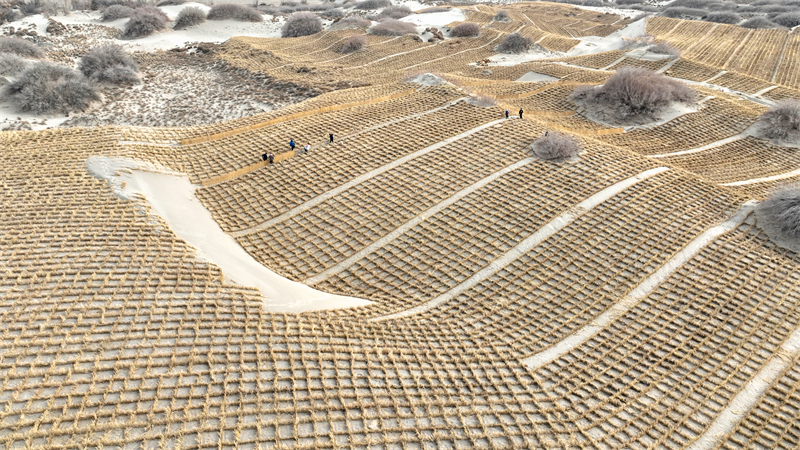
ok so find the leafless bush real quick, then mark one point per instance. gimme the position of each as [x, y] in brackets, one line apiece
[728, 17]
[372, 4]
[226, 11]
[351, 22]
[681, 12]
[482, 100]
[502, 16]
[633, 92]
[466, 29]
[20, 47]
[779, 215]
[394, 12]
[556, 147]
[758, 23]
[592, 3]
[115, 12]
[109, 64]
[774, 9]
[782, 120]
[170, 2]
[788, 20]
[332, 13]
[436, 9]
[515, 43]
[662, 48]
[144, 22]
[11, 64]
[46, 88]
[189, 17]
[353, 44]
[392, 27]
[301, 24]
[697, 4]
[8, 15]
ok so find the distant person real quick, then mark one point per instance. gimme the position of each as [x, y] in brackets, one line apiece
[271, 158]
[331, 138]
[546, 133]
[291, 144]
[306, 148]
[264, 157]
[506, 114]
[520, 113]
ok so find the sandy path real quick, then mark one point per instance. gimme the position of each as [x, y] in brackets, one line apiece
[171, 196]
[641, 291]
[548, 230]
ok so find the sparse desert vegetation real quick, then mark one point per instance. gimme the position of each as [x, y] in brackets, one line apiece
[233, 11]
[47, 88]
[466, 29]
[782, 121]
[301, 24]
[351, 22]
[555, 146]
[515, 43]
[392, 27]
[353, 44]
[115, 12]
[144, 21]
[633, 92]
[20, 47]
[109, 64]
[189, 17]
[11, 64]
[779, 214]
[502, 16]
[372, 4]
[394, 12]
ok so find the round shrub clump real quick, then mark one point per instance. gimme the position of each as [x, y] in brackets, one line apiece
[46, 88]
[144, 22]
[301, 24]
[109, 64]
[115, 12]
[757, 23]
[466, 29]
[353, 44]
[680, 12]
[11, 64]
[662, 48]
[633, 92]
[392, 27]
[728, 17]
[351, 22]
[515, 43]
[372, 4]
[788, 20]
[779, 215]
[20, 47]
[394, 12]
[189, 17]
[227, 11]
[502, 16]
[556, 147]
[782, 121]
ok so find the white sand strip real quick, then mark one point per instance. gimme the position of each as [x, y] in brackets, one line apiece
[716, 76]
[615, 62]
[172, 197]
[394, 234]
[667, 67]
[360, 179]
[151, 144]
[639, 292]
[781, 176]
[764, 91]
[721, 142]
[548, 230]
[747, 398]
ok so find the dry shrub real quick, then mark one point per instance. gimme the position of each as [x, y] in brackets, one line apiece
[788, 20]
[9, 15]
[227, 11]
[144, 22]
[436, 9]
[731, 18]
[354, 44]
[301, 24]
[633, 92]
[11, 64]
[466, 29]
[109, 64]
[392, 27]
[189, 17]
[779, 215]
[782, 120]
[556, 147]
[170, 2]
[47, 88]
[662, 48]
[698, 4]
[758, 23]
[394, 12]
[351, 22]
[681, 12]
[372, 4]
[332, 13]
[20, 47]
[115, 12]
[515, 43]
[502, 16]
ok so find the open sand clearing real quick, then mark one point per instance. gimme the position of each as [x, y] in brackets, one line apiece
[172, 197]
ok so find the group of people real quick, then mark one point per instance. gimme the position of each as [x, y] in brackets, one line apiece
[520, 113]
[271, 158]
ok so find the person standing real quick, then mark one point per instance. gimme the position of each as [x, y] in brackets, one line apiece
[291, 144]
[520, 113]
[264, 157]
[331, 138]
[506, 114]
[306, 148]
[271, 158]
